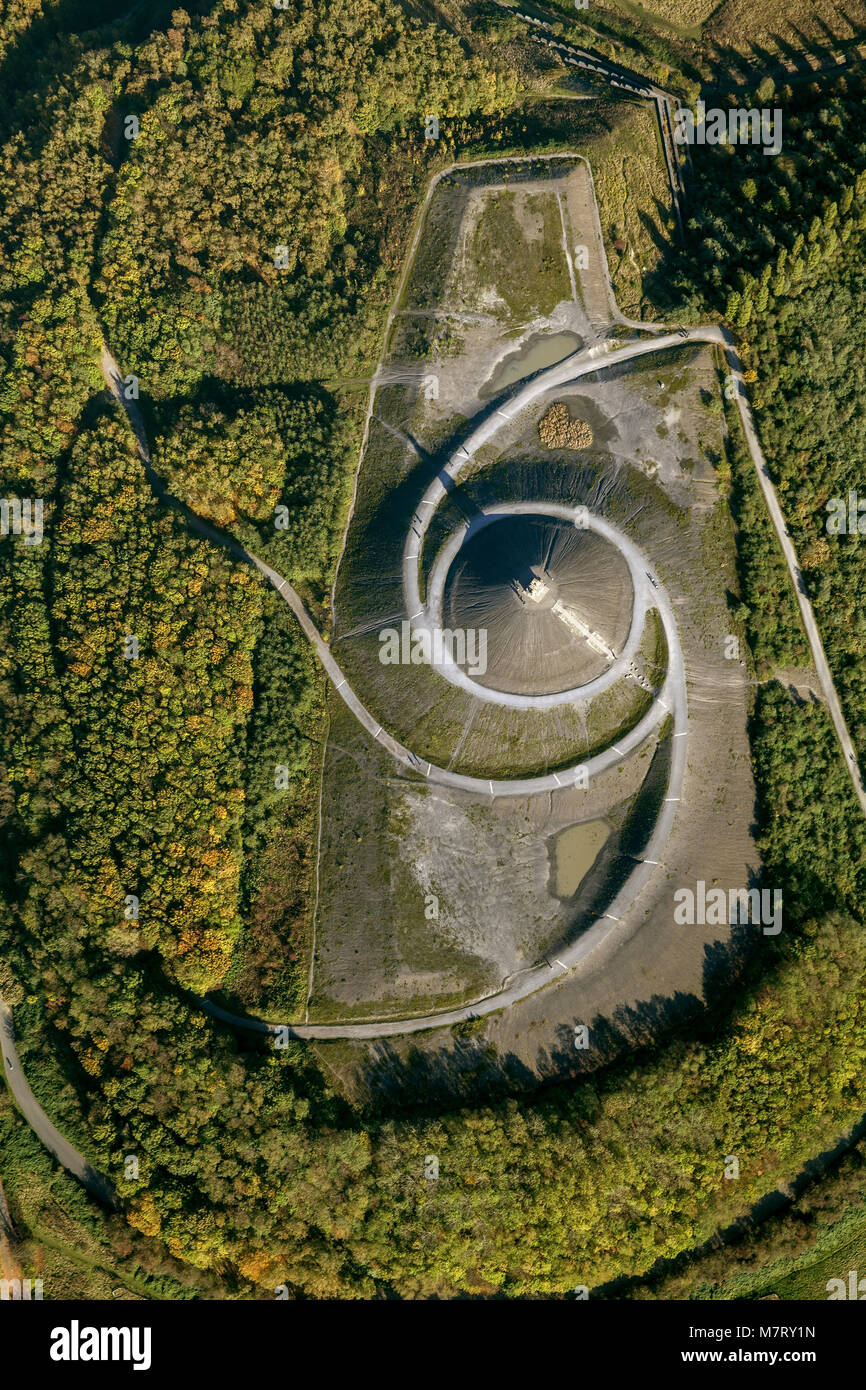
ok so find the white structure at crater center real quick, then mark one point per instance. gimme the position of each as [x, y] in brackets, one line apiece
[571, 620]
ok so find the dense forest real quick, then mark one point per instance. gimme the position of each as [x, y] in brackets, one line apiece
[242, 278]
[789, 278]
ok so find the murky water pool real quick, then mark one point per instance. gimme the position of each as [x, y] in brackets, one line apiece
[575, 850]
[543, 350]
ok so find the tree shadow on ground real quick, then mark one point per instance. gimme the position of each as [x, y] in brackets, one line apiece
[468, 1069]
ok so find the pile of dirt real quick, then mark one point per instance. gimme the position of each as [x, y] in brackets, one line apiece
[559, 431]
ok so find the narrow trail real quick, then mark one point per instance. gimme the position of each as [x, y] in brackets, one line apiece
[65, 1153]
[595, 944]
[602, 937]
[611, 930]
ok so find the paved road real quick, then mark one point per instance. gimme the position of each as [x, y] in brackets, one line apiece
[606, 936]
[384, 374]
[441, 776]
[581, 363]
[609, 932]
[65, 1153]
[431, 617]
[602, 936]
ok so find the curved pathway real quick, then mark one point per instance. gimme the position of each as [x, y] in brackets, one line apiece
[607, 933]
[601, 937]
[65, 1153]
[442, 776]
[580, 518]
